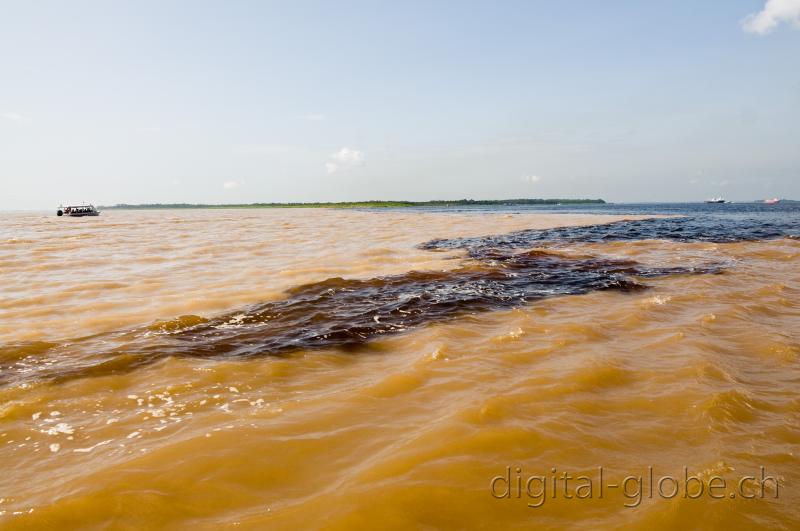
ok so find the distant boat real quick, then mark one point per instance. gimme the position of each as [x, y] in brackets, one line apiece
[77, 211]
[773, 201]
[716, 200]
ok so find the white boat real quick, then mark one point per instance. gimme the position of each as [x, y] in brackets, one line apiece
[77, 211]
[716, 200]
[773, 201]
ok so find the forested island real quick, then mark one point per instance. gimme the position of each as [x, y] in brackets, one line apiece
[367, 204]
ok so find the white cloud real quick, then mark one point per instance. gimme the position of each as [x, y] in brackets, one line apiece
[774, 12]
[14, 117]
[344, 158]
[229, 185]
[530, 178]
[349, 156]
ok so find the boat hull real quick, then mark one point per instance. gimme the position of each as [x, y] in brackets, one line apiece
[77, 211]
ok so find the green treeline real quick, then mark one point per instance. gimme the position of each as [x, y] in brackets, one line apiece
[371, 204]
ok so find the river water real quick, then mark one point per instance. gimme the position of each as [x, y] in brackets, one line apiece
[344, 369]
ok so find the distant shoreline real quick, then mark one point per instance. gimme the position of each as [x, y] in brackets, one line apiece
[364, 204]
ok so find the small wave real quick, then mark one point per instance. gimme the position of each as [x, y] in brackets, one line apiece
[727, 409]
[176, 325]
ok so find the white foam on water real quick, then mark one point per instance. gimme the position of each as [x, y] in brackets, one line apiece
[61, 427]
[90, 448]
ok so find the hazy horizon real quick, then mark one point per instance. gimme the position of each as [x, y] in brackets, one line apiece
[203, 102]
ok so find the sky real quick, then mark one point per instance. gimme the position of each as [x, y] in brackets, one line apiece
[238, 102]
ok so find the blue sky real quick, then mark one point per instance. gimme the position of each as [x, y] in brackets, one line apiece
[325, 101]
